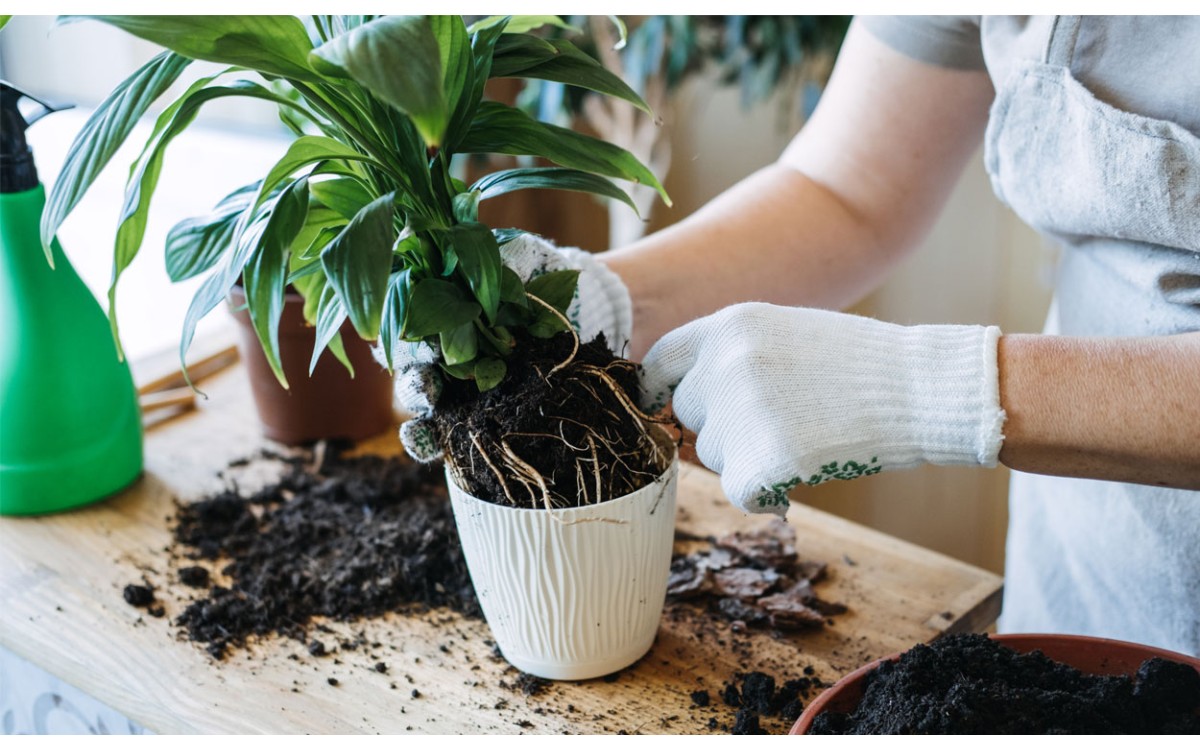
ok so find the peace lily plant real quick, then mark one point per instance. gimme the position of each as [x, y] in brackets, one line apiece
[562, 489]
[363, 215]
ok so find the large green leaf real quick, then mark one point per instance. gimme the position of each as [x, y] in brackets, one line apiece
[358, 261]
[548, 178]
[458, 71]
[217, 285]
[454, 46]
[556, 288]
[523, 56]
[459, 345]
[144, 178]
[331, 313]
[479, 261]
[521, 24]
[266, 270]
[275, 45]
[505, 130]
[393, 313]
[515, 52]
[345, 195]
[435, 306]
[489, 371]
[195, 245]
[103, 133]
[304, 151]
[397, 59]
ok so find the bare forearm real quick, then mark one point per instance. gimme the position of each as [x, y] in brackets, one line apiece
[1121, 409]
[749, 244]
[855, 191]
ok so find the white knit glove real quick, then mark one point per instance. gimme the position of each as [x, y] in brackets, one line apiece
[601, 305]
[784, 396]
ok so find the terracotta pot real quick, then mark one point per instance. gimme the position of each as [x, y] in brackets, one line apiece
[329, 404]
[1090, 655]
[575, 593]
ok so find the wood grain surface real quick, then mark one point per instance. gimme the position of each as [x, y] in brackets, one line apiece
[61, 579]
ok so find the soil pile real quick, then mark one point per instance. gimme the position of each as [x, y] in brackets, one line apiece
[353, 537]
[969, 684]
[562, 429]
[754, 579]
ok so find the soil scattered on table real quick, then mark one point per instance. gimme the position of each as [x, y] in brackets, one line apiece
[754, 579]
[194, 576]
[353, 537]
[137, 595]
[757, 695]
[972, 684]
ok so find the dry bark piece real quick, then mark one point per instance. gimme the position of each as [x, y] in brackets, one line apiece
[743, 583]
[772, 545]
[789, 613]
[736, 609]
[754, 578]
[687, 578]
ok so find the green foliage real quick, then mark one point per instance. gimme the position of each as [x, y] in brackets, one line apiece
[361, 215]
[758, 54]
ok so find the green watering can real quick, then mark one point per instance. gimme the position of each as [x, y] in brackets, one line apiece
[70, 427]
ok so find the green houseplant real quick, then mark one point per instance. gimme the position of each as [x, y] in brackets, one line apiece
[364, 218]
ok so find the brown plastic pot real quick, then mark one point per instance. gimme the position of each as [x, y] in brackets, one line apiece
[329, 404]
[1099, 656]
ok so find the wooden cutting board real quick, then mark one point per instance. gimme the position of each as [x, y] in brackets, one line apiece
[61, 579]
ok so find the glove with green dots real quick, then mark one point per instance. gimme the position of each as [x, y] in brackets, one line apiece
[783, 396]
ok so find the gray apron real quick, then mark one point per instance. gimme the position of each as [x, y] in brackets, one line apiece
[1121, 194]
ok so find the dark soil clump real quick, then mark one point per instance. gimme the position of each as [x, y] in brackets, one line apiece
[746, 722]
[136, 595]
[354, 537]
[575, 429]
[530, 684]
[755, 696]
[970, 684]
[194, 576]
[701, 698]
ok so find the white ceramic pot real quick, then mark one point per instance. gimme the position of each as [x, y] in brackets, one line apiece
[576, 593]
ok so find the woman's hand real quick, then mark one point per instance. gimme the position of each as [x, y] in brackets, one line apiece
[783, 396]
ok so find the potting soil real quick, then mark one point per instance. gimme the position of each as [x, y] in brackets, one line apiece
[971, 684]
[354, 537]
[573, 428]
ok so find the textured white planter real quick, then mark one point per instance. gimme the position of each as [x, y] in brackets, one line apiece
[569, 596]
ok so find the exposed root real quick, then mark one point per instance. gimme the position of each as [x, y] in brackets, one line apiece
[595, 465]
[623, 397]
[492, 466]
[569, 442]
[570, 328]
[531, 472]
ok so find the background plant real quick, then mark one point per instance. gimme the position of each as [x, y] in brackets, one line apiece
[362, 215]
[761, 55]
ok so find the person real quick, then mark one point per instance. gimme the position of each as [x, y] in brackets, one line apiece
[1092, 136]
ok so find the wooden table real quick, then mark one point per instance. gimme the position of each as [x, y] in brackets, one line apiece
[61, 579]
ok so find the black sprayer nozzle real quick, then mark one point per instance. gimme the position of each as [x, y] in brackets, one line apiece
[17, 172]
